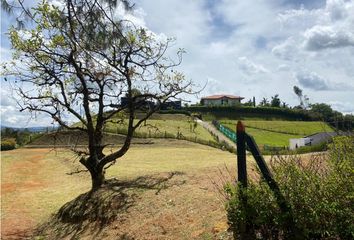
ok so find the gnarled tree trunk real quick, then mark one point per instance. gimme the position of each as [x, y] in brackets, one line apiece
[97, 178]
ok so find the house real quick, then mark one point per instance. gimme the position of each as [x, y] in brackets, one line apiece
[314, 139]
[295, 143]
[221, 100]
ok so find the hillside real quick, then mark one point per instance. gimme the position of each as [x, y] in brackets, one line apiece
[77, 138]
[278, 133]
[163, 126]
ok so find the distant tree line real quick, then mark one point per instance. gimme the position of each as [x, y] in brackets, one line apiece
[315, 111]
[19, 137]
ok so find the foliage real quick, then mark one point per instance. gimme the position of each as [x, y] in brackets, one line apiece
[320, 192]
[304, 100]
[275, 102]
[249, 103]
[21, 136]
[175, 111]
[8, 144]
[264, 103]
[240, 112]
[323, 109]
[80, 58]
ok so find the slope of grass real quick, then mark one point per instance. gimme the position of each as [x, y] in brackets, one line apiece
[165, 126]
[167, 156]
[263, 137]
[278, 133]
[288, 127]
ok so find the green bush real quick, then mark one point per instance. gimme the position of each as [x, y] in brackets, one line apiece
[320, 192]
[8, 144]
[175, 111]
[314, 148]
[305, 149]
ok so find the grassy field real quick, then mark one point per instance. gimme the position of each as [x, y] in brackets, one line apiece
[160, 178]
[278, 133]
[163, 126]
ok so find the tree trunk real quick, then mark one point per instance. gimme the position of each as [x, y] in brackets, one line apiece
[97, 178]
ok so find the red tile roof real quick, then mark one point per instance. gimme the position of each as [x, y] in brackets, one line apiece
[222, 96]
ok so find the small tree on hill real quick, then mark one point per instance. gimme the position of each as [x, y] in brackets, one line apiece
[78, 58]
[275, 102]
[304, 99]
[264, 103]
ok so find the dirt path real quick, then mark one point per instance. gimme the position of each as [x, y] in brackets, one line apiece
[211, 128]
[31, 188]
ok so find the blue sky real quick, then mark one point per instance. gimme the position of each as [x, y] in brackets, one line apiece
[250, 48]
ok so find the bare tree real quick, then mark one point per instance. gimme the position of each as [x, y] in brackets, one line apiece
[81, 54]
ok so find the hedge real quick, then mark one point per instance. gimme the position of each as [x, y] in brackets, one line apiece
[240, 112]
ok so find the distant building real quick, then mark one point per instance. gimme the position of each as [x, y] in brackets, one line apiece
[221, 100]
[124, 101]
[142, 103]
[171, 105]
[313, 139]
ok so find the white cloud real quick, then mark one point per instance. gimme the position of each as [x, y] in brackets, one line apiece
[283, 67]
[344, 107]
[323, 28]
[213, 87]
[249, 67]
[322, 37]
[286, 50]
[314, 81]
[338, 9]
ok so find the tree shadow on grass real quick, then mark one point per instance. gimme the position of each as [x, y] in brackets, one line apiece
[91, 212]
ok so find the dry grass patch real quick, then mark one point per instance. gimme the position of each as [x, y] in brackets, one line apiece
[164, 190]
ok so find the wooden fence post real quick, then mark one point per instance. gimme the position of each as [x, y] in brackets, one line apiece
[241, 154]
[246, 232]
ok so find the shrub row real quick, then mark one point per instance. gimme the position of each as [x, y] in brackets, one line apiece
[175, 111]
[239, 112]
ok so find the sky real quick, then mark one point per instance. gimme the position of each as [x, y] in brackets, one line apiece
[247, 48]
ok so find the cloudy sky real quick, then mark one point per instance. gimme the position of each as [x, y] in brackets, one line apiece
[248, 48]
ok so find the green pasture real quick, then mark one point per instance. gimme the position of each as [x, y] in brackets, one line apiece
[278, 133]
[164, 126]
[287, 127]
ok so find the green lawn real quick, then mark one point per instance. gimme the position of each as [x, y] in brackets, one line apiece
[278, 133]
[165, 125]
[288, 127]
[162, 126]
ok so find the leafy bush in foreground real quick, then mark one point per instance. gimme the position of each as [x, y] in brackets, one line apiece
[8, 144]
[320, 191]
